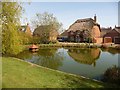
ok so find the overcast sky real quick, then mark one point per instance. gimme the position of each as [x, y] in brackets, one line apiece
[68, 12]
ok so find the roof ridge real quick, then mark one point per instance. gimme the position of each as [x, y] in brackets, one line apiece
[118, 30]
[84, 19]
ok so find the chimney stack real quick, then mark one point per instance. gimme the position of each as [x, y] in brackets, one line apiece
[27, 24]
[95, 18]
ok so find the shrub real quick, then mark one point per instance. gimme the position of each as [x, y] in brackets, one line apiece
[112, 75]
[52, 42]
[88, 40]
[117, 47]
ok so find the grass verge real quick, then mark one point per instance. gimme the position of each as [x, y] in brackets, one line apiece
[19, 74]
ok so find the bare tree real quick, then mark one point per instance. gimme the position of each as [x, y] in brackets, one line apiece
[49, 22]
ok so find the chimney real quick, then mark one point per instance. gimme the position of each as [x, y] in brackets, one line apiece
[27, 24]
[37, 26]
[95, 18]
[110, 28]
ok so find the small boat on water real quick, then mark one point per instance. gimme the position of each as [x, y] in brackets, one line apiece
[34, 48]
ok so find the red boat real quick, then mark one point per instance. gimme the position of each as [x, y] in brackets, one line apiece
[34, 48]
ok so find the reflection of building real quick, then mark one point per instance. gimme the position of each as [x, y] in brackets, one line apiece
[111, 51]
[86, 56]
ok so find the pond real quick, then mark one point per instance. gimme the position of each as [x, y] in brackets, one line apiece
[88, 62]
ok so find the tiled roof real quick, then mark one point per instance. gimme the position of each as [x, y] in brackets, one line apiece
[117, 29]
[104, 31]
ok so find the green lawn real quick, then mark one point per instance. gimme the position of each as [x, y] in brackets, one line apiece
[20, 74]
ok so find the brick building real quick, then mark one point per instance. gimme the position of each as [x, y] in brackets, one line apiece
[113, 36]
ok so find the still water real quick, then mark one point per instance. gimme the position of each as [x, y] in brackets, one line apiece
[91, 63]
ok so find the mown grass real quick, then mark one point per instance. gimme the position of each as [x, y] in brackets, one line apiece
[20, 74]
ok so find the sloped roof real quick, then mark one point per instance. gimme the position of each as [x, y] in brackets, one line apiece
[83, 20]
[117, 29]
[38, 31]
[41, 29]
[65, 33]
[82, 24]
[104, 31]
[28, 30]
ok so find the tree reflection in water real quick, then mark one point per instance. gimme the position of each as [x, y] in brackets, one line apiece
[47, 57]
[85, 56]
[73, 60]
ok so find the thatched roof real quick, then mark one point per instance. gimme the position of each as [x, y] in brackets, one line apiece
[43, 29]
[82, 24]
[39, 30]
[64, 34]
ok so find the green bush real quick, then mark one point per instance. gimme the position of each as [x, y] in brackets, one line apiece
[88, 40]
[112, 75]
[52, 42]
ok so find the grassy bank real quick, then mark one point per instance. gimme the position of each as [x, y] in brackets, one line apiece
[20, 74]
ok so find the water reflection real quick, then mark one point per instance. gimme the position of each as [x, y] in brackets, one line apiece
[44, 57]
[25, 55]
[85, 56]
[111, 50]
[72, 60]
[47, 52]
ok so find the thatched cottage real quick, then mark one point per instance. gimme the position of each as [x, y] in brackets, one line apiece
[82, 29]
[43, 31]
